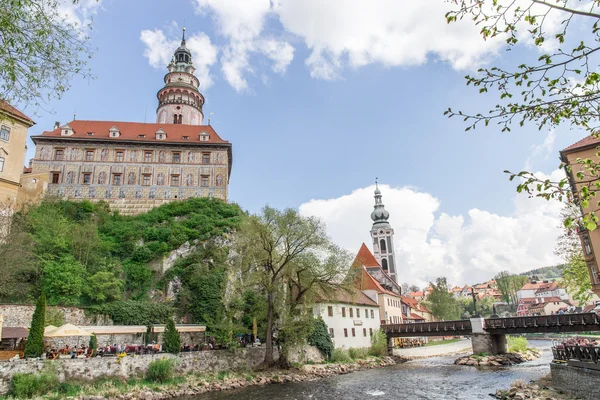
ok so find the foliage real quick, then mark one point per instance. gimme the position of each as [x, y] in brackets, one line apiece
[290, 259]
[63, 281]
[160, 370]
[443, 304]
[103, 286]
[134, 312]
[171, 338]
[517, 344]
[379, 346]
[485, 306]
[340, 356]
[93, 345]
[35, 341]
[547, 273]
[358, 353]
[509, 284]
[54, 316]
[320, 338]
[560, 86]
[30, 385]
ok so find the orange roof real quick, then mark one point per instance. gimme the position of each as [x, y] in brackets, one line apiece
[12, 111]
[365, 257]
[416, 294]
[409, 301]
[547, 286]
[587, 141]
[415, 316]
[533, 286]
[367, 282]
[131, 131]
[354, 296]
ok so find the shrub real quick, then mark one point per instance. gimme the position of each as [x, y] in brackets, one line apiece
[160, 370]
[35, 341]
[30, 385]
[340, 356]
[517, 344]
[94, 344]
[358, 353]
[320, 338]
[172, 340]
[378, 344]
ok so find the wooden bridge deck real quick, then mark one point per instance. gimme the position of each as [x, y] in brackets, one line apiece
[533, 324]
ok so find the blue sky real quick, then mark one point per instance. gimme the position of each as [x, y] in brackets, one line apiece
[305, 129]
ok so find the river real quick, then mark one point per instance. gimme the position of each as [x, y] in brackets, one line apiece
[431, 378]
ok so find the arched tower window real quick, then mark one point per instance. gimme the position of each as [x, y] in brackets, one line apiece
[382, 246]
[180, 118]
[174, 118]
[384, 264]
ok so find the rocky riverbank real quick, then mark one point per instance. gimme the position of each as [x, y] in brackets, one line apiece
[539, 390]
[191, 385]
[478, 360]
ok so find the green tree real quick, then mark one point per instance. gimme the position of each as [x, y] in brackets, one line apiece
[41, 51]
[561, 86]
[443, 304]
[63, 281]
[93, 345]
[279, 250]
[171, 339]
[103, 286]
[35, 341]
[320, 337]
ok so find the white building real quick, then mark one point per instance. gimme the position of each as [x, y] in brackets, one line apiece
[541, 289]
[351, 317]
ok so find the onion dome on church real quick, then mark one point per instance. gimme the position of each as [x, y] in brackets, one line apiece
[379, 215]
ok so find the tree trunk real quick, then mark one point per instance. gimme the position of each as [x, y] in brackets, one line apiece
[269, 338]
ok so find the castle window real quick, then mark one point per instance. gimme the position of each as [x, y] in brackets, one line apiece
[204, 181]
[56, 177]
[372, 315]
[176, 157]
[358, 313]
[345, 332]
[365, 332]
[5, 133]
[204, 137]
[205, 158]
[384, 264]
[120, 156]
[1, 164]
[146, 180]
[351, 310]
[382, 246]
[116, 179]
[59, 154]
[353, 332]
[180, 118]
[147, 156]
[344, 312]
[174, 180]
[89, 155]
[87, 178]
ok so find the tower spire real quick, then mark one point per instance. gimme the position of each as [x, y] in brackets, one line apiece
[383, 236]
[183, 37]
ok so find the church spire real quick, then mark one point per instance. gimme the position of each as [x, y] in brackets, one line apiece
[183, 37]
[383, 236]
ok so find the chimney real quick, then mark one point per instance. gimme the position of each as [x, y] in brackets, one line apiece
[56, 125]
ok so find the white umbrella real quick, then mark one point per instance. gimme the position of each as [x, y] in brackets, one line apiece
[68, 330]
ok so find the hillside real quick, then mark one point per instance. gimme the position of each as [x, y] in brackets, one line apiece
[545, 273]
[82, 254]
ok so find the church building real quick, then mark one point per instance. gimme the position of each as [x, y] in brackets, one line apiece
[136, 166]
[382, 235]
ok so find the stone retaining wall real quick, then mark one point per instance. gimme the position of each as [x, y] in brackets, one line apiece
[583, 383]
[16, 315]
[131, 366]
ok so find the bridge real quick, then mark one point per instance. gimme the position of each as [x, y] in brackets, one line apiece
[488, 335]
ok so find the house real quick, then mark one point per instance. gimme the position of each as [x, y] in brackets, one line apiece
[523, 306]
[417, 295]
[351, 317]
[541, 289]
[390, 305]
[547, 306]
[414, 311]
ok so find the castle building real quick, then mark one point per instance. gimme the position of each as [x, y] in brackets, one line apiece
[136, 166]
[382, 235]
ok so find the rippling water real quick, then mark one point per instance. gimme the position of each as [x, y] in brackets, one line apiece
[432, 378]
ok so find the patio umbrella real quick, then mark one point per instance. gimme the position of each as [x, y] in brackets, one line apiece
[68, 330]
[49, 329]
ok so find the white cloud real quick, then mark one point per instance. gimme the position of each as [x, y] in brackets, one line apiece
[428, 244]
[79, 14]
[159, 50]
[541, 151]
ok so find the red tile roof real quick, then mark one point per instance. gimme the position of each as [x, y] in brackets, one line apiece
[130, 131]
[547, 287]
[416, 294]
[7, 108]
[353, 296]
[546, 301]
[26, 170]
[585, 142]
[367, 282]
[365, 257]
[416, 316]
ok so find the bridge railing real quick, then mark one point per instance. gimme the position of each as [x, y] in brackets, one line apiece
[426, 327]
[542, 321]
[576, 352]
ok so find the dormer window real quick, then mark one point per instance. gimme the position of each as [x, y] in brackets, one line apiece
[204, 137]
[142, 136]
[185, 137]
[90, 133]
[161, 134]
[66, 130]
[114, 132]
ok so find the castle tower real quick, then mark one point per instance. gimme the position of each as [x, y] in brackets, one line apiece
[179, 101]
[382, 235]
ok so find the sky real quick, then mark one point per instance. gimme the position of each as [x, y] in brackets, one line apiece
[321, 97]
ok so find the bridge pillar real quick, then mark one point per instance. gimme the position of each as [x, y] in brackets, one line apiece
[484, 342]
[390, 346]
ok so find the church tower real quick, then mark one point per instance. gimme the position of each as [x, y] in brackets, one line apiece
[382, 235]
[179, 101]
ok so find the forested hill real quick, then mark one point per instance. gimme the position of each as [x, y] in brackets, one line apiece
[545, 273]
[82, 254]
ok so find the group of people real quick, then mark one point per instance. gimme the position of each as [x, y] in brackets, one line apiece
[577, 341]
[73, 352]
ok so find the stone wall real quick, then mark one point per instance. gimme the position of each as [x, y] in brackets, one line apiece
[583, 383]
[16, 315]
[130, 366]
[487, 343]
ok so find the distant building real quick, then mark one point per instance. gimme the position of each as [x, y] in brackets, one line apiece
[382, 235]
[351, 318]
[590, 241]
[414, 311]
[547, 306]
[131, 165]
[13, 138]
[542, 289]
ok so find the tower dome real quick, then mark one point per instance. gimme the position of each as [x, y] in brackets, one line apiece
[180, 101]
[379, 215]
[383, 237]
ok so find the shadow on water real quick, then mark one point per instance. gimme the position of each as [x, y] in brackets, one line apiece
[432, 378]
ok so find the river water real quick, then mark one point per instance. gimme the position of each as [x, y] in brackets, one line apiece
[431, 378]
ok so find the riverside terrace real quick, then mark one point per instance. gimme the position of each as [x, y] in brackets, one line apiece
[488, 335]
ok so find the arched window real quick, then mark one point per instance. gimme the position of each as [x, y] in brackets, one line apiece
[174, 118]
[180, 117]
[384, 264]
[382, 246]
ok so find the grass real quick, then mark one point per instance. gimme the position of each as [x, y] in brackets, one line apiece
[440, 342]
[340, 356]
[517, 344]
